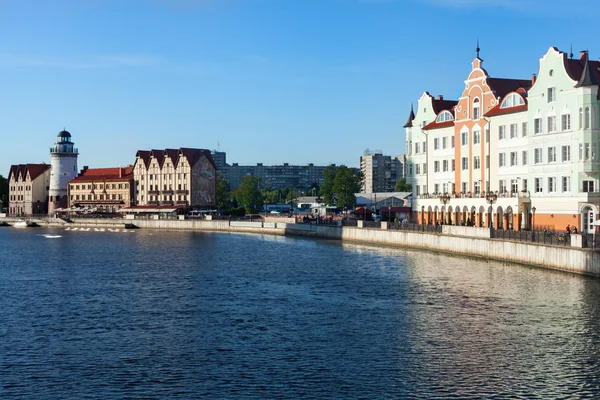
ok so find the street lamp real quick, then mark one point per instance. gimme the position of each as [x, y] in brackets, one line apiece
[491, 198]
[445, 198]
[533, 211]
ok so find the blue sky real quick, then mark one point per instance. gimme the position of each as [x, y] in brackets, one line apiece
[268, 81]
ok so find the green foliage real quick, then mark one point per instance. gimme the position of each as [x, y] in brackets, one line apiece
[3, 192]
[248, 194]
[402, 186]
[327, 186]
[223, 194]
[346, 184]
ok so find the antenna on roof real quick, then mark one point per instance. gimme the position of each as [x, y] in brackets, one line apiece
[477, 49]
[571, 53]
[218, 146]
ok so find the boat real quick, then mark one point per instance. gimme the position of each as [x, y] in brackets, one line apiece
[24, 224]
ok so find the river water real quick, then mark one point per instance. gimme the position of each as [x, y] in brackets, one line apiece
[152, 314]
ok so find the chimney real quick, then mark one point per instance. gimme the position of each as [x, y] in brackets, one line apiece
[533, 76]
[85, 168]
[120, 172]
[583, 55]
[440, 97]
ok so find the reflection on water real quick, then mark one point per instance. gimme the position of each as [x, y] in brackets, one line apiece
[188, 315]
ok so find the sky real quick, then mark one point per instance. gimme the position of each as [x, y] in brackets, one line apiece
[270, 81]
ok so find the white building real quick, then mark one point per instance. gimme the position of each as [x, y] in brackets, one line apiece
[63, 158]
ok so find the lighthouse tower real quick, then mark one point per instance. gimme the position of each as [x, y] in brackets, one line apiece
[64, 168]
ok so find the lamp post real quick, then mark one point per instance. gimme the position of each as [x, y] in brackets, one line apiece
[445, 198]
[533, 211]
[491, 198]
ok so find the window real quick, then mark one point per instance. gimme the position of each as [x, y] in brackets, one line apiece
[513, 131]
[424, 147]
[436, 188]
[588, 186]
[487, 161]
[566, 153]
[464, 187]
[465, 138]
[452, 164]
[444, 116]
[452, 141]
[465, 163]
[580, 118]
[524, 129]
[424, 171]
[410, 169]
[551, 154]
[417, 145]
[476, 137]
[502, 159]
[552, 184]
[587, 151]
[551, 123]
[417, 169]
[476, 162]
[444, 142]
[436, 143]
[477, 187]
[436, 167]
[514, 186]
[445, 165]
[566, 122]
[502, 186]
[537, 126]
[586, 120]
[524, 157]
[424, 188]
[537, 153]
[476, 109]
[525, 184]
[538, 185]
[512, 100]
[418, 190]
[487, 135]
[566, 183]
[513, 159]
[551, 94]
[502, 132]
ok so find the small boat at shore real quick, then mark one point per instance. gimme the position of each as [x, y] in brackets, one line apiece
[24, 224]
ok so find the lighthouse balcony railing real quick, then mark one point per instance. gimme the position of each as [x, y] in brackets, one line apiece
[54, 150]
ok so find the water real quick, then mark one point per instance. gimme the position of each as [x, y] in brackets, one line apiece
[174, 315]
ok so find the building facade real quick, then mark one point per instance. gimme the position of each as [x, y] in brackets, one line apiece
[175, 177]
[380, 173]
[102, 189]
[63, 157]
[512, 153]
[28, 186]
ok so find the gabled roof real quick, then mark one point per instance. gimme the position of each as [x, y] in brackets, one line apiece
[576, 67]
[159, 155]
[173, 154]
[20, 171]
[193, 155]
[145, 156]
[503, 86]
[411, 118]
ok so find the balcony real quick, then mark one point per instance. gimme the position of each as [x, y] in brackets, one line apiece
[153, 192]
[54, 151]
[153, 203]
[167, 192]
[167, 203]
[182, 191]
[182, 202]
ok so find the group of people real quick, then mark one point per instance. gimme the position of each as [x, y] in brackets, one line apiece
[571, 230]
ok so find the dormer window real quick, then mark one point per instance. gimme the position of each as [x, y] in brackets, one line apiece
[512, 100]
[476, 109]
[444, 116]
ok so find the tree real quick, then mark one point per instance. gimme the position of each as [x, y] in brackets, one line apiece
[402, 186]
[248, 194]
[223, 193]
[3, 192]
[327, 186]
[346, 184]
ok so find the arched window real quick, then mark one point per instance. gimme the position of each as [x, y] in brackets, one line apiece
[512, 100]
[587, 118]
[580, 118]
[444, 116]
[476, 109]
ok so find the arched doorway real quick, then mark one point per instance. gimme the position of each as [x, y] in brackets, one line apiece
[588, 217]
[508, 219]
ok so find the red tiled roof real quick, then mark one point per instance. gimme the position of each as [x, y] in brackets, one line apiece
[20, 171]
[503, 86]
[508, 110]
[105, 174]
[438, 125]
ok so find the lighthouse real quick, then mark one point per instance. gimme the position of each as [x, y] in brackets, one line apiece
[64, 168]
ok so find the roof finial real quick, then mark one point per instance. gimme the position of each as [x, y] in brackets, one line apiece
[477, 49]
[571, 53]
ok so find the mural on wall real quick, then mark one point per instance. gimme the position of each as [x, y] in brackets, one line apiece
[203, 183]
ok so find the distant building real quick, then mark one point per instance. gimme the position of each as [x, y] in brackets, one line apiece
[300, 177]
[380, 172]
[180, 178]
[28, 189]
[63, 157]
[102, 189]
